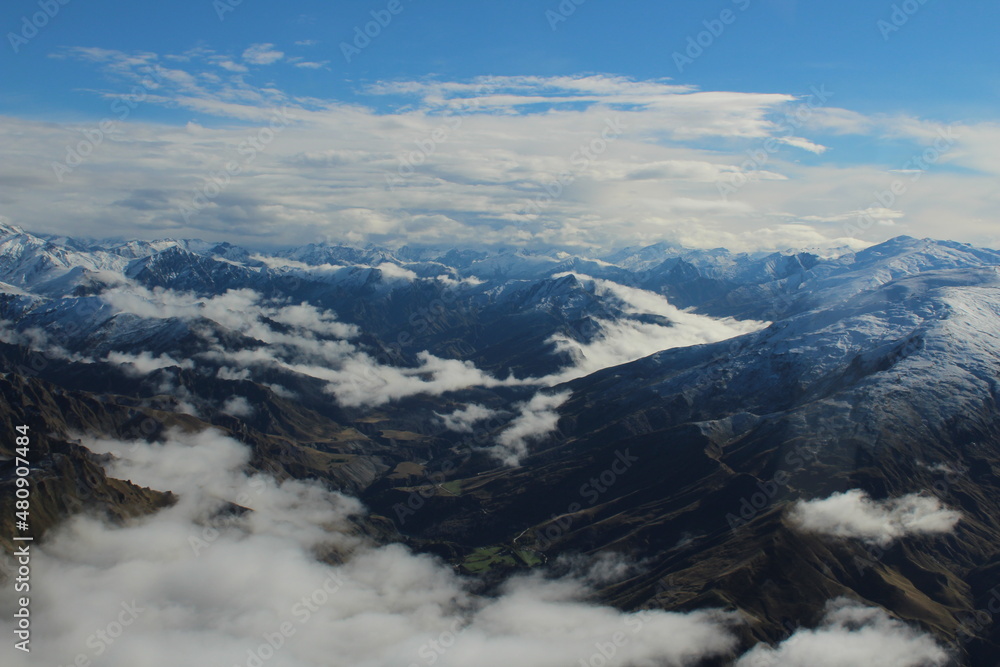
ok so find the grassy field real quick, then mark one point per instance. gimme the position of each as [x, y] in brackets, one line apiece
[486, 559]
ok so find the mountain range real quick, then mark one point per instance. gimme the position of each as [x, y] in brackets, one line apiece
[759, 433]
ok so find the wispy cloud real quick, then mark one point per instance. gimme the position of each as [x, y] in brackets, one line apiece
[538, 418]
[262, 54]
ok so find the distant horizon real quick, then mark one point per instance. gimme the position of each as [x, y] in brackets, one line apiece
[400, 244]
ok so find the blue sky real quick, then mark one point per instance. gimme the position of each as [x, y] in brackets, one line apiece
[513, 89]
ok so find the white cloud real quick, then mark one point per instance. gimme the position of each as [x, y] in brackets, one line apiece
[351, 374]
[505, 140]
[35, 338]
[237, 406]
[851, 635]
[226, 373]
[360, 380]
[538, 418]
[262, 54]
[853, 514]
[625, 340]
[463, 419]
[394, 271]
[804, 144]
[201, 586]
[477, 185]
[241, 310]
[145, 363]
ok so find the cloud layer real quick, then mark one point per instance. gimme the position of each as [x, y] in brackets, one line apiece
[849, 635]
[853, 514]
[199, 585]
[626, 340]
[520, 159]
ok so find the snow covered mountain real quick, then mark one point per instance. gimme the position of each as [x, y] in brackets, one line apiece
[688, 411]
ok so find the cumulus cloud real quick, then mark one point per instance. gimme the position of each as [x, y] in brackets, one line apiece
[463, 419]
[202, 585]
[538, 418]
[854, 514]
[237, 406]
[850, 635]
